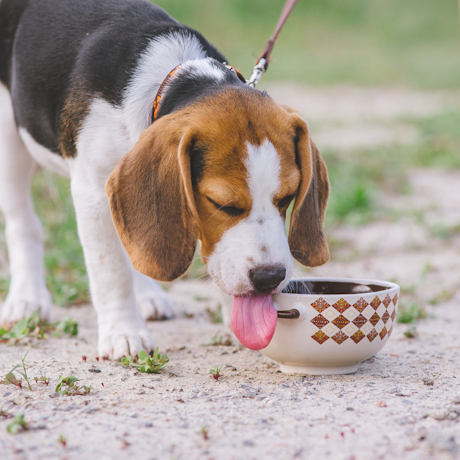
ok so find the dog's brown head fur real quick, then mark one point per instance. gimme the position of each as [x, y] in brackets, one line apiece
[187, 179]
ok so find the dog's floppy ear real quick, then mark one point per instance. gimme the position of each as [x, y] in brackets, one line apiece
[152, 202]
[306, 236]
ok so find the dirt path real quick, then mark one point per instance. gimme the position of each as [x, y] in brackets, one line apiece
[254, 411]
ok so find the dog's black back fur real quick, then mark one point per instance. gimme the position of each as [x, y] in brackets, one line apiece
[60, 47]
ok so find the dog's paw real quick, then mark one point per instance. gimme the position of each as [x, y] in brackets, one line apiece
[124, 339]
[14, 309]
[152, 300]
[156, 307]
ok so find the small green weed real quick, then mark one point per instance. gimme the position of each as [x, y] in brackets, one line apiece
[219, 340]
[18, 424]
[67, 326]
[215, 371]
[204, 432]
[67, 386]
[62, 440]
[408, 314]
[146, 363]
[411, 332]
[215, 316]
[443, 296]
[42, 379]
[11, 377]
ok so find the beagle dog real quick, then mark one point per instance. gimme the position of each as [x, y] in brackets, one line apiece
[165, 146]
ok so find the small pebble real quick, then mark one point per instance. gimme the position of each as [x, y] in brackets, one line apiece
[381, 404]
[428, 380]
[94, 370]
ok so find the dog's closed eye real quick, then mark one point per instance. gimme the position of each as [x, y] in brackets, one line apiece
[284, 202]
[230, 210]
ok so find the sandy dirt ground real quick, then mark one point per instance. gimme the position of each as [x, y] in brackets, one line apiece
[403, 403]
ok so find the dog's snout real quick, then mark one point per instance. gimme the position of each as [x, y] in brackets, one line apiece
[265, 279]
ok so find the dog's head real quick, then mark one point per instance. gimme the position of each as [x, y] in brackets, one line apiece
[224, 171]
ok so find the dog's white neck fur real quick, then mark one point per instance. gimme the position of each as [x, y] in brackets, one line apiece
[161, 56]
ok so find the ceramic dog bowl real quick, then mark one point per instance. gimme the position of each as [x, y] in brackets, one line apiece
[328, 326]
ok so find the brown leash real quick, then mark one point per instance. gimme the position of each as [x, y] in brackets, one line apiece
[263, 60]
[260, 67]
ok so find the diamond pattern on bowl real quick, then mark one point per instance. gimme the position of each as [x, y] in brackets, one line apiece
[330, 329]
[320, 321]
[360, 305]
[395, 299]
[376, 303]
[381, 310]
[357, 336]
[350, 329]
[372, 335]
[393, 315]
[340, 337]
[385, 317]
[360, 321]
[366, 328]
[387, 301]
[340, 321]
[320, 305]
[368, 312]
[351, 314]
[383, 333]
[320, 337]
[341, 305]
[330, 313]
[374, 319]
[379, 326]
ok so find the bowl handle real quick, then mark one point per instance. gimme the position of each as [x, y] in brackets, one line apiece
[289, 314]
[298, 312]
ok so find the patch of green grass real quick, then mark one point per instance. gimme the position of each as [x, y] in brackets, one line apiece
[360, 177]
[65, 266]
[379, 42]
[409, 313]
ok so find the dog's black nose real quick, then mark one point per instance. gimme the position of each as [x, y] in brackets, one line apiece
[265, 279]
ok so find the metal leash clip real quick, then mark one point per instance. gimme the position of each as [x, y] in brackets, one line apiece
[257, 73]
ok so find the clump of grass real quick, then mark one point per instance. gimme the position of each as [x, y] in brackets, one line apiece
[36, 328]
[215, 316]
[18, 424]
[408, 314]
[146, 363]
[67, 386]
[220, 340]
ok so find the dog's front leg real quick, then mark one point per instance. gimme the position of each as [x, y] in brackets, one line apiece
[122, 329]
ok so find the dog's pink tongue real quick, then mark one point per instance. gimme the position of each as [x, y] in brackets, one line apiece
[254, 320]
